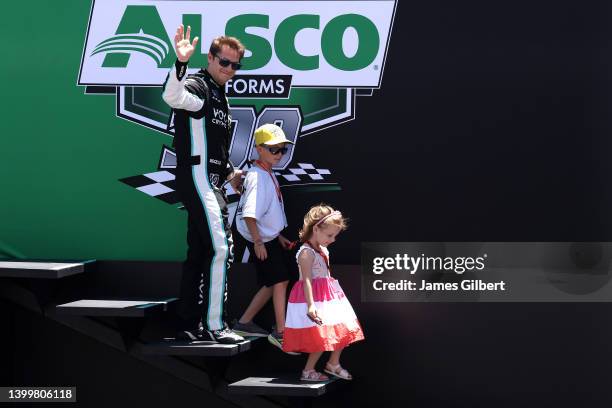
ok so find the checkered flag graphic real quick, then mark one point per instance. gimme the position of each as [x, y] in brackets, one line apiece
[304, 172]
[159, 184]
[162, 185]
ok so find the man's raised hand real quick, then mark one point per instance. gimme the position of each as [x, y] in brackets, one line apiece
[182, 44]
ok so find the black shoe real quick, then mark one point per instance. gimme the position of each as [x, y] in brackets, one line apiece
[198, 334]
[192, 335]
[276, 339]
[248, 329]
[226, 336]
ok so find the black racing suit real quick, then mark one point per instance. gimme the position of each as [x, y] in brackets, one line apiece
[202, 126]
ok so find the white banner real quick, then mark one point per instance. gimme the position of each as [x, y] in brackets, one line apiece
[318, 43]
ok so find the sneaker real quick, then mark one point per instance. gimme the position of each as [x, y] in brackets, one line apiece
[225, 336]
[276, 339]
[248, 329]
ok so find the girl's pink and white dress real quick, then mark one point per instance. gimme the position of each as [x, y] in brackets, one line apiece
[340, 325]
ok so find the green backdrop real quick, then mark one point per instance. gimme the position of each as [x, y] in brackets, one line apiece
[63, 152]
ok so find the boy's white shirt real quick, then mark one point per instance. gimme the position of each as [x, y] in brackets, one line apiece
[260, 201]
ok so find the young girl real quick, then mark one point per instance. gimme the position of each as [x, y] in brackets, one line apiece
[319, 316]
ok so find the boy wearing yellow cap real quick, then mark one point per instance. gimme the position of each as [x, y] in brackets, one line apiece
[260, 219]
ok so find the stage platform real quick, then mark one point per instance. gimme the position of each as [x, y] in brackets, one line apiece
[283, 385]
[171, 346]
[115, 308]
[42, 269]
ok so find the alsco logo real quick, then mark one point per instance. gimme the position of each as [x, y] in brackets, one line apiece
[306, 63]
[127, 43]
[318, 43]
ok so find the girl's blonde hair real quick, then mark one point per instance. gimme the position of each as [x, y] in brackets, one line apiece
[324, 213]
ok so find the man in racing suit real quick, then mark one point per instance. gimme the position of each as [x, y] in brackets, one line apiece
[202, 138]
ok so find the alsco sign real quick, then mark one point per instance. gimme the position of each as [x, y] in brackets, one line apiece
[318, 43]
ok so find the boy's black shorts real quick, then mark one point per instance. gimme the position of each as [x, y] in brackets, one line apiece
[279, 266]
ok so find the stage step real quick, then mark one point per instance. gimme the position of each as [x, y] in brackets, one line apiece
[42, 269]
[114, 308]
[283, 385]
[172, 347]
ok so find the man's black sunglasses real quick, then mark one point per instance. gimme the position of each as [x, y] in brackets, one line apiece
[225, 62]
[277, 150]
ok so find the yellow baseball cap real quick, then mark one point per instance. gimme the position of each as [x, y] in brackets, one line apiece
[270, 134]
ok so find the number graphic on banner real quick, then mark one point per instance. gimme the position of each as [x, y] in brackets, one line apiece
[244, 119]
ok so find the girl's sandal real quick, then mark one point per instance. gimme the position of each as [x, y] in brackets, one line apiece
[312, 375]
[338, 371]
